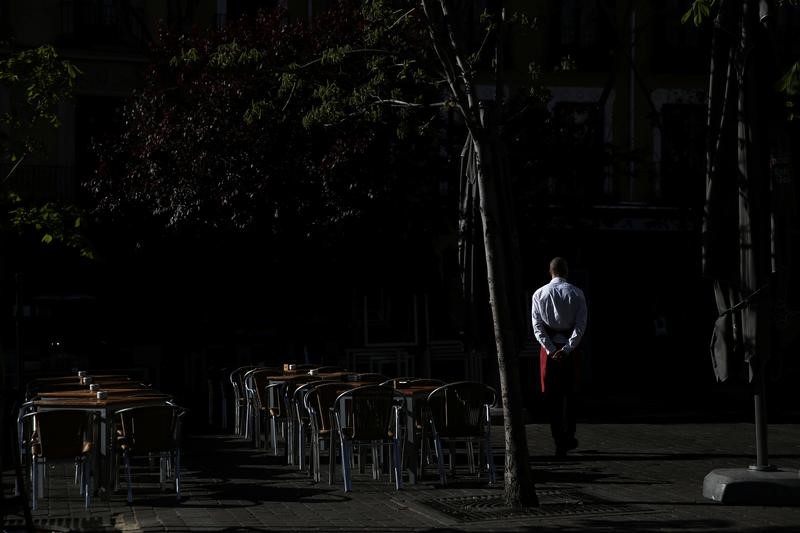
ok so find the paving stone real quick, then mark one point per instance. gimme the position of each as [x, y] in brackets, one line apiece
[655, 469]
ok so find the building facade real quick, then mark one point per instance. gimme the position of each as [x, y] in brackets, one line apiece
[621, 196]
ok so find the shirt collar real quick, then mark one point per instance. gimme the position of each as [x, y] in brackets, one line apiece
[558, 280]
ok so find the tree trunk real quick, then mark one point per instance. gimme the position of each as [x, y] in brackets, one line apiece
[519, 486]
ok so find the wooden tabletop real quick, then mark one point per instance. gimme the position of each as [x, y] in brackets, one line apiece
[281, 377]
[85, 393]
[75, 378]
[117, 384]
[416, 390]
[104, 385]
[94, 403]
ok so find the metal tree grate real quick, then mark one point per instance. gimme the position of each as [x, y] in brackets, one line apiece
[11, 524]
[552, 503]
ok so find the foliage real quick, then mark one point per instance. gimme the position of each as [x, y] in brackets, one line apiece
[43, 80]
[701, 10]
[55, 223]
[789, 82]
[698, 12]
[269, 125]
[37, 80]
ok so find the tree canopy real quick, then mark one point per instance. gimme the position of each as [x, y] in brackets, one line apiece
[37, 80]
[248, 127]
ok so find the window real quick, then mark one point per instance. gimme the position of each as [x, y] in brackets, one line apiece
[682, 169]
[231, 10]
[576, 168]
[582, 30]
[390, 317]
[90, 22]
[679, 47]
[787, 25]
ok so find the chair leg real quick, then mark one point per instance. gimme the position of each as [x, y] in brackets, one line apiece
[289, 440]
[489, 455]
[255, 438]
[424, 456]
[178, 474]
[332, 460]
[315, 450]
[249, 422]
[87, 480]
[398, 464]
[273, 434]
[376, 465]
[346, 449]
[127, 461]
[34, 484]
[162, 471]
[471, 456]
[301, 447]
[439, 458]
[237, 417]
[452, 456]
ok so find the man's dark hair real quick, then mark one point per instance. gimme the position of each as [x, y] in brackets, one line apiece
[558, 266]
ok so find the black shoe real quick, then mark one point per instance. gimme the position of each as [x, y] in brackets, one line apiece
[561, 450]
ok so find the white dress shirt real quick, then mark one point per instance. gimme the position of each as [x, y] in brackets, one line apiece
[559, 306]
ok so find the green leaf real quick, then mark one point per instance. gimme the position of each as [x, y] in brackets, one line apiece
[790, 82]
[47, 238]
[699, 11]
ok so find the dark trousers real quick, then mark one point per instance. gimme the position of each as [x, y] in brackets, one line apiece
[558, 386]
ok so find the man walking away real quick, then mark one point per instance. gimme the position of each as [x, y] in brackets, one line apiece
[558, 312]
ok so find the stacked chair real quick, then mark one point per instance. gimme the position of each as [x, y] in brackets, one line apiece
[278, 397]
[318, 403]
[255, 383]
[366, 416]
[236, 378]
[152, 431]
[460, 412]
[302, 422]
[53, 436]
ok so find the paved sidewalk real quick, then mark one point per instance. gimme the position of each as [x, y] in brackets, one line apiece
[633, 477]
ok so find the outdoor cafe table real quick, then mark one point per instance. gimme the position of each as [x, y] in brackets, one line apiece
[35, 392]
[105, 408]
[86, 394]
